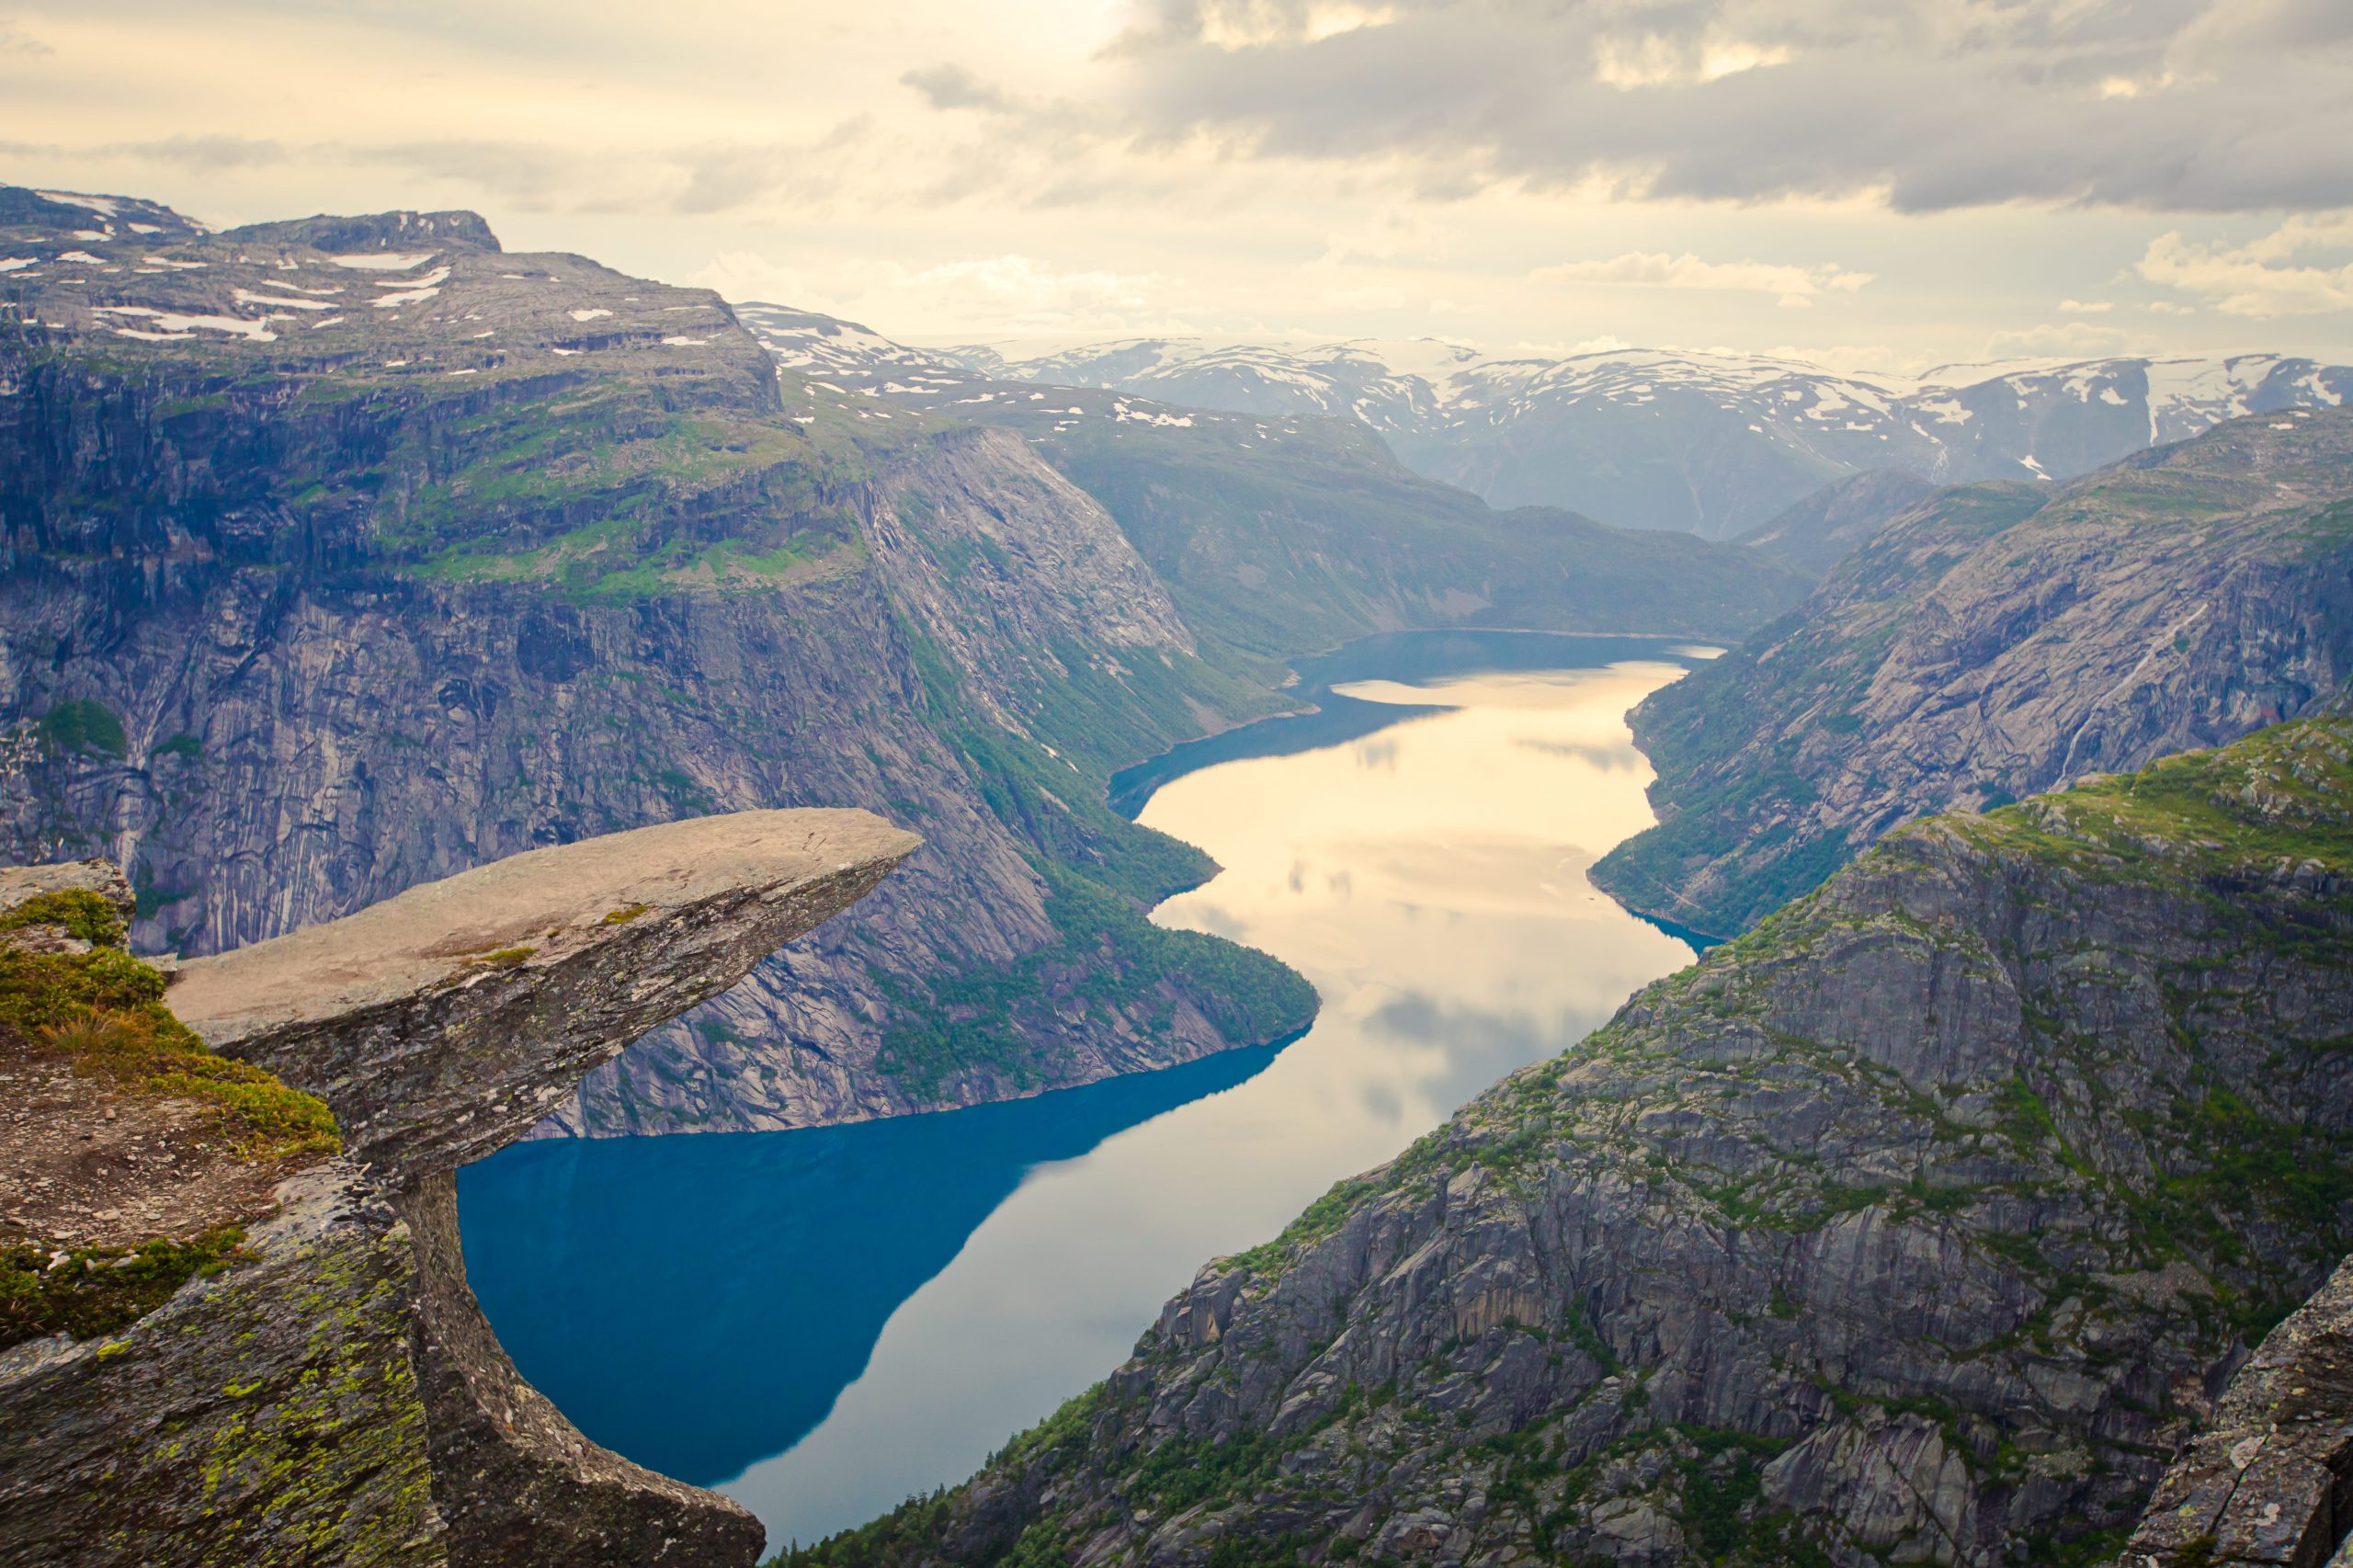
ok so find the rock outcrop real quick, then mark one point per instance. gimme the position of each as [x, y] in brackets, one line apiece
[334, 1395]
[2269, 1481]
[1995, 641]
[1920, 1225]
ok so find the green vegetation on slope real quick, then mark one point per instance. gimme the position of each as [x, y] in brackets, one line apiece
[1106, 961]
[103, 1011]
[1997, 639]
[1295, 546]
[92, 1291]
[1752, 1099]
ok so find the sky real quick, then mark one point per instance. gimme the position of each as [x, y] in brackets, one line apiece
[1885, 184]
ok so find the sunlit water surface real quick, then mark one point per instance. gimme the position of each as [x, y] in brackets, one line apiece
[820, 1323]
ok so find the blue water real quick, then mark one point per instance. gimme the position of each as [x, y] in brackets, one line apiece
[822, 1321]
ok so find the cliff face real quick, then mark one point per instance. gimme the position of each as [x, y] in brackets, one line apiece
[1998, 639]
[346, 554]
[328, 1392]
[1919, 1224]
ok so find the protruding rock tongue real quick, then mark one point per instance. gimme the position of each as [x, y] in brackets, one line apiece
[441, 1024]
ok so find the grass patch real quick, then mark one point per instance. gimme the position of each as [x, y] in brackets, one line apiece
[103, 1011]
[99, 1289]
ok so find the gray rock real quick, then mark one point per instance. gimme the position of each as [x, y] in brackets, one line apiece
[339, 1398]
[2271, 1478]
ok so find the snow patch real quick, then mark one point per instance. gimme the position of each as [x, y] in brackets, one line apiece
[172, 325]
[247, 297]
[590, 314]
[384, 261]
[105, 206]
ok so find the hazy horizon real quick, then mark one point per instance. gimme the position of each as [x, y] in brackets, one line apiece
[1882, 185]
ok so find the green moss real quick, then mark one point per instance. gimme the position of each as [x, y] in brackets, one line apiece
[502, 957]
[103, 1011]
[626, 914]
[89, 915]
[98, 1289]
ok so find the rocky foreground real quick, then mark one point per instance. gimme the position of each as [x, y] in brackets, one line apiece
[1924, 1224]
[320, 1387]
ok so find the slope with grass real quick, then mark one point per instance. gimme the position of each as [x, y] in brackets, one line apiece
[1998, 639]
[1921, 1223]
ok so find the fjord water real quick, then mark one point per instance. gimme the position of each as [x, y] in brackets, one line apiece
[821, 1323]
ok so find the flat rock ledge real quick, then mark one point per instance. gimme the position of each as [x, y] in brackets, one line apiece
[2271, 1479]
[340, 1399]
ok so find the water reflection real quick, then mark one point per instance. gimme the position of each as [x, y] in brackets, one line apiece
[880, 1305]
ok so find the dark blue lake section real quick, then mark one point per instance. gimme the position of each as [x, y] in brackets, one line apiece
[698, 1302]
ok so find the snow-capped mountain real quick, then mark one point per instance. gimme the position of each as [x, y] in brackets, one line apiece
[1665, 439]
[1712, 442]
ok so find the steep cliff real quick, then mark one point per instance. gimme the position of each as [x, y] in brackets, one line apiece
[322, 1388]
[1919, 1224]
[1998, 639]
[346, 553]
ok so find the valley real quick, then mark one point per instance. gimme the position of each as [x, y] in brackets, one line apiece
[1813, 903]
[1425, 871]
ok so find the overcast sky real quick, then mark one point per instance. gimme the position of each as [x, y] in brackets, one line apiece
[1864, 182]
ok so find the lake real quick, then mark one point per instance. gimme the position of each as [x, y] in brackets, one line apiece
[820, 1323]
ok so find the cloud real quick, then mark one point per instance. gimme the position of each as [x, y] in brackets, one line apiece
[2057, 338]
[1920, 104]
[2272, 276]
[2086, 307]
[1793, 286]
[953, 87]
[745, 276]
[1020, 293]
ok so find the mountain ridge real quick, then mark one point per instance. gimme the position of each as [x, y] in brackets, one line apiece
[1711, 442]
[1996, 639]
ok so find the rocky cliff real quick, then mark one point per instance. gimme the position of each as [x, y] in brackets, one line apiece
[347, 553]
[1998, 639]
[321, 1387]
[1920, 1225]
[2271, 1478]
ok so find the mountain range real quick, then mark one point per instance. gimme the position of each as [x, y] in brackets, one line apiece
[349, 552]
[1711, 442]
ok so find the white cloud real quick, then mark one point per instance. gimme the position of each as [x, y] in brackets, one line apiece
[2272, 276]
[1792, 286]
[2056, 338]
[2086, 307]
[742, 276]
[1020, 293]
[1654, 60]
